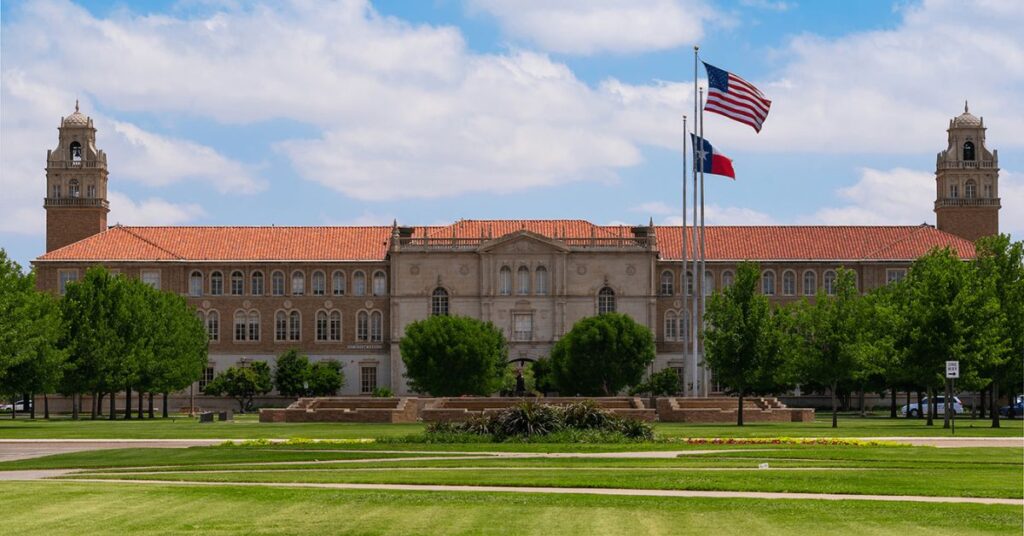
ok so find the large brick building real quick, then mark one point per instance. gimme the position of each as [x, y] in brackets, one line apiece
[347, 293]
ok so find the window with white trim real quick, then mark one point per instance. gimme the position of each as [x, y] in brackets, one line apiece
[671, 326]
[195, 283]
[277, 283]
[522, 326]
[895, 275]
[376, 326]
[241, 325]
[505, 281]
[321, 326]
[727, 279]
[439, 302]
[151, 278]
[213, 325]
[280, 326]
[208, 375]
[254, 325]
[667, 283]
[363, 326]
[768, 283]
[338, 283]
[810, 283]
[237, 283]
[788, 283]
[359, 284]
[380, 284]
[256, 283]
[830, 282]
[970, 189]
[73, 188]
[216, 284]
[605, 301]
[689, 283]
[294, 326]
[335, 327]
[367, 380]
[541, 283]
[709, 283]
[64, 277]
[298, 283]
[319, 283]
[523, 281]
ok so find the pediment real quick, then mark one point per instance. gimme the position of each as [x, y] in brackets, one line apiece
[523, 242]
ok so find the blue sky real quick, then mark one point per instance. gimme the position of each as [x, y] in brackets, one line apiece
[315, 113]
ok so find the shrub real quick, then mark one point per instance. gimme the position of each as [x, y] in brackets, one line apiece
[454, 356]
[383, 392]
[325, 378]
[586, 415]
[661, 383]
[529, 418]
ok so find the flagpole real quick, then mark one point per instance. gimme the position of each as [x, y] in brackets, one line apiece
[686, 355]
[691, 312]
[703, 257]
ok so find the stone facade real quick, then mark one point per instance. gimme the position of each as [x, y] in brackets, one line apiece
[967, 181]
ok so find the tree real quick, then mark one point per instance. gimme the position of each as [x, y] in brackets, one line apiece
[742, 341]
[453, 356]
[834, 340]
[543, 375]
[243, 383]
[30, 330]
[661, 383]
[601, 355]
[325, 378]
[180, 346]
[1000, 266]
[291, 375]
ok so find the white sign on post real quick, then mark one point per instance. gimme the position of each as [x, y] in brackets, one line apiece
[952, 369]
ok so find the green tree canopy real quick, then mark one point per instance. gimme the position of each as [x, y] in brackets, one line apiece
[325, 378]
[453, 356]
[662, 383]
[291, 373]
[601, 355]
[243, 383]
[742, 341]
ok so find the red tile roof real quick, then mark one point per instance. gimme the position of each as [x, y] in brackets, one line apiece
[789, 242]
[765, 243]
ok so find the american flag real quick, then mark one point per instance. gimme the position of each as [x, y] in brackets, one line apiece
[735, 98]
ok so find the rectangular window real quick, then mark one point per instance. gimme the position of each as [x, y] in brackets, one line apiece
[336, 326]
[522, 326]
[367, 380]
[895, 275]
[362, 327]
[376, 327]
[256, 284]
[195, 284]
[207, 377]
[64, 277]
[280, 327]
[151, 278]
[240, 328]
[254, 327]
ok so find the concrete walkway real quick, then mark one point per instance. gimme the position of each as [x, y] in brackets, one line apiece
[585, 491]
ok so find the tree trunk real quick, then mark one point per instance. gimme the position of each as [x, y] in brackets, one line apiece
[14, 401]
[835, 415]
[993, 397]
[32, 410]
[981, 405]
[113, 406]
[151, 405]
[892, 403]
[128, 403]
[164, 409]
[920, 405]
[863, 412]
[947, 405]
[92, 406]
[908, 402]
[99, 404]
[74, 406]
[931, 406]
[46, 407]
[739, 412]
[141, 409]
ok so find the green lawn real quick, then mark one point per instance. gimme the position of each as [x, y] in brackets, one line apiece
[47, 508]
[247, 427]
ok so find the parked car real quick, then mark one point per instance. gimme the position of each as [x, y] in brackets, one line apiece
[18, 406]
[914, 410]
[1014, 410]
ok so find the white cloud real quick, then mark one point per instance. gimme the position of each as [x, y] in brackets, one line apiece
[769, 5]
[152, 211]
[591, 26]
[654, 208]
[894, 196]
[719, 215]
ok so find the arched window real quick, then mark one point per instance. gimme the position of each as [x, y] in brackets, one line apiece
[241, 321]
[830, 282]
[970, 189]
[439, 302]
[362, 326]
[294, 326]
[667, 280]
[237, 283]
[709, 283]
[380, 284]
[280, 326]
[216, 284]
[968, 151]
[810, 283]
[213, 325]
[321, 326]
[376, 326]
[74, 190]
[298, 283]
[254, 325]
[277, 283]
[256, 284]
[768, 283]
[689, 283]
[505, 281]
[359, 284]
[319, 283]
[338, 283]
[671, 326]
[541, 281]
[76, 151]
[523, 283]
[727, 279]
[195, 283]
[605, 301]
[335, 326]
[788, 283]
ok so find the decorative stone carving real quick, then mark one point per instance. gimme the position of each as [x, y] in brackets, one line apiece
[581, 269]
[247, 304]
[368, 304]
[206, 304]
[328, 304]
[464, 269]
[630, 270]
[414, 269]
[287, 304]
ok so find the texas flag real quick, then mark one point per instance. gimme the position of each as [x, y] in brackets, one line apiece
[705, 157]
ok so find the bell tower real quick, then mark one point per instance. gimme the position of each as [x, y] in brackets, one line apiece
[967, 181]
[76, 184]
